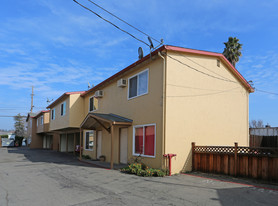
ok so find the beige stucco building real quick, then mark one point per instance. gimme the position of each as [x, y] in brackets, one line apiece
[165, 102]
[40, 134]
[66, 115]
[156, 106]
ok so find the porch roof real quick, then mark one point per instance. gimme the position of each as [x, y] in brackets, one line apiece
[93, 120]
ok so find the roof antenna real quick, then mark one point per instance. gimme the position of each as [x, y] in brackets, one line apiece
[140, 53]
[89, 86]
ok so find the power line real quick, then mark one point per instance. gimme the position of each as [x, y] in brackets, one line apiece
[227, 80]
[123, 20]
[207, 94]
[111, 23]
[204, 67]
[187, 87]
[266, 92]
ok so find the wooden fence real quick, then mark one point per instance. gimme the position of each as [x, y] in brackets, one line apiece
[258, 163]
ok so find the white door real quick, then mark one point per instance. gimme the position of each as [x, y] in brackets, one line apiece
[123, 145]
[99, 137]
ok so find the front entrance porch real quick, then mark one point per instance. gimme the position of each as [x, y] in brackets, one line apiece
[111, 137]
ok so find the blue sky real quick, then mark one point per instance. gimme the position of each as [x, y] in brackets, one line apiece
[57, 46]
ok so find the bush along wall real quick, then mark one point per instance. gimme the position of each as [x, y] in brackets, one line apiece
[143, 170]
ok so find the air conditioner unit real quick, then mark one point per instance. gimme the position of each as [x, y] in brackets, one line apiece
[121, 83]
[98, 94]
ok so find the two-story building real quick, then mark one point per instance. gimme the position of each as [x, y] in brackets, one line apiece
[162, 103]
[66, 115]
[41, 138]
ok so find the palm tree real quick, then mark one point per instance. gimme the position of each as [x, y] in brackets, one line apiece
[233, 50]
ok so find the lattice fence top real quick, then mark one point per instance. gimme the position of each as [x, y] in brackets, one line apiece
[214, 149]
[240, 150]
[257, 151]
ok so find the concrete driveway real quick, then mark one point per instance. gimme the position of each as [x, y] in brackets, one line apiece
[40, 177]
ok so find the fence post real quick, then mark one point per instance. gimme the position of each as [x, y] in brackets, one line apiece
[193, 154]
[236, 145]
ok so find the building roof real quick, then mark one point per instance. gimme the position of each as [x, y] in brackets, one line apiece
[62, 96]
[176, 49]
[40, 113]
[92, 119]
[30, 115]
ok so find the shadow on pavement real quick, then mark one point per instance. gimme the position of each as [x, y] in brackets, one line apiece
[47, 156]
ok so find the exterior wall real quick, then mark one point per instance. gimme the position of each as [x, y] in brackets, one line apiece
[202, 109]
[74, 113]
[36, 139]
[56, 141]
[29, 128]
[46, 119]
[45, 126]
[76, 110]
[60, 122]
[145, 109]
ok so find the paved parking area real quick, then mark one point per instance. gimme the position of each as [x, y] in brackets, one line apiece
[40, 177]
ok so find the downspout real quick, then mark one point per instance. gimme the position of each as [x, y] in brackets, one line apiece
[163, 109]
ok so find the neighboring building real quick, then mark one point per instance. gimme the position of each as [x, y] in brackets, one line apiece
[162, 103]
[264, 137]
[29, 124]
[41, 138]
[66, 115]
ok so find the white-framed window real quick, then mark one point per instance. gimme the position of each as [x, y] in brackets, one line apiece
[89, 140]
[93, 104]
[138, 84]
[41, 120]
[144, 140]
[53, 114]
[63, 109]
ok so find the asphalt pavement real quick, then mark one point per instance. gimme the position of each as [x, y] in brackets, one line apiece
[41, 177]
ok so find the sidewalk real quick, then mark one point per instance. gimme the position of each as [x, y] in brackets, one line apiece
[104, 165]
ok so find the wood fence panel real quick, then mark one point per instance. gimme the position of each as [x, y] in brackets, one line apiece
[259, 159]
[226, 164]
[211, 169]
[258, 163]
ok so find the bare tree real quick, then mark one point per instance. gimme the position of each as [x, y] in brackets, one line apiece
[19, 125]
[256, 124]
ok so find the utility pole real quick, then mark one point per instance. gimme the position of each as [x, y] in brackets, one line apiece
[32, 97]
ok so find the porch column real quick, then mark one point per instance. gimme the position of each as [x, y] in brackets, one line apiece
[74, 142]
[66, 142]
[112, 147]
[80, 145]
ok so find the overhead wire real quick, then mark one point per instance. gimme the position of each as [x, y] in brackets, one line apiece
[204, 73]
[122, 20]
[111, 23]
[204, 67]
[207, 94]
[273, 93]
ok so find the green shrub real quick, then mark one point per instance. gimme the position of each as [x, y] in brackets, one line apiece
[86, 157]
[142, 170]
[18, 140]
[4, 136]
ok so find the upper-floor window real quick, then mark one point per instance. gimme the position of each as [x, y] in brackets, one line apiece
[92, 104]
[41, 120]
[63, 108]
[138, 84]
[53, 114]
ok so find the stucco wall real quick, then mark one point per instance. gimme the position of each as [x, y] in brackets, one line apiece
[146, 109]
[60, 121]
[76, 110]
[202, 109]
[36, 139]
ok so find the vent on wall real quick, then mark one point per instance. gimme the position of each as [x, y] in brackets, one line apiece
[218, 62]
[121, 83]
[98, 94]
